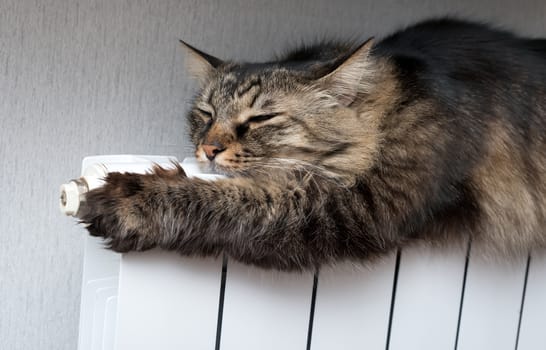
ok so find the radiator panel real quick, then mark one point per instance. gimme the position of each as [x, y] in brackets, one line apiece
[491, 305]
[167, 302]
[533, 322]
[352, 306]
[427, 301]
[265, 310]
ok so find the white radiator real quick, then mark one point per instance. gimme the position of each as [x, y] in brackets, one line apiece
[419, 298]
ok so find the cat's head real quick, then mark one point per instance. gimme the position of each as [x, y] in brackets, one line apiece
[302, 110]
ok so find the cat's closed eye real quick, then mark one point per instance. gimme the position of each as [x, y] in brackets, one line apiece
[261, 118]
[241, 129]
[205, 115]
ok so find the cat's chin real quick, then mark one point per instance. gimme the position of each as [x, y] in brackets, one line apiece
[216, 168]
[207, 167]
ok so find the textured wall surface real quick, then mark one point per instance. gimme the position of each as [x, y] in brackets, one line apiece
[107, 76]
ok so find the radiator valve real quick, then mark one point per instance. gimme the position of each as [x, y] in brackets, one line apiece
[72, 193]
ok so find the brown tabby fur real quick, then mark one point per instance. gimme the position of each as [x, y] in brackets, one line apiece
[351, 153]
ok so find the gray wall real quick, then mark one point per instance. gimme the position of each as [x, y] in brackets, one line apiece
[104, 77]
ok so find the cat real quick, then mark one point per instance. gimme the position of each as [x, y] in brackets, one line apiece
[342, 152]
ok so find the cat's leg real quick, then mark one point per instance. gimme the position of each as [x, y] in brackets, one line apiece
[285, 224]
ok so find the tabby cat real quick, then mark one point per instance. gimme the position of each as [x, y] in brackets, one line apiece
[343, 152]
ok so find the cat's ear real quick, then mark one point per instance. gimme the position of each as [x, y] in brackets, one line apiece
[349, 77]
[200, 64]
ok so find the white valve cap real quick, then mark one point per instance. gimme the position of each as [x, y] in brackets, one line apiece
[70, 198]
[71, 192]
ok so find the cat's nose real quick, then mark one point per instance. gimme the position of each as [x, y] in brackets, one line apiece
[211, 150]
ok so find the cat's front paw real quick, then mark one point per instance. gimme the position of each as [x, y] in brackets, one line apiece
[116, 211]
